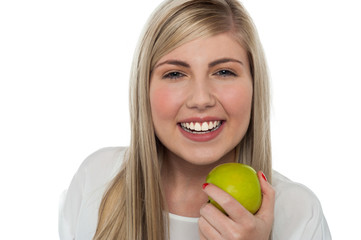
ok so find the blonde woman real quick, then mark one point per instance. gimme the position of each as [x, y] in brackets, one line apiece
[199, 97]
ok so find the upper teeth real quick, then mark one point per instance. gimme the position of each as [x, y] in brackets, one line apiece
[201, 126]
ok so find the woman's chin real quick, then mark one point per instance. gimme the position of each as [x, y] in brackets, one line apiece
[204, 158]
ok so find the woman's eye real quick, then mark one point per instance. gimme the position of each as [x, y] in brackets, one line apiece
[225, 73]
[173, 75]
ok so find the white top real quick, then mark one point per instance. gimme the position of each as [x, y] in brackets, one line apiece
[298, 213]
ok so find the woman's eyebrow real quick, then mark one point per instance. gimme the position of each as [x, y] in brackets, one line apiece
[174, 62]
[223, 60]
[184, 64]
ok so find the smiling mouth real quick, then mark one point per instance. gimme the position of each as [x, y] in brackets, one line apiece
[200, 127]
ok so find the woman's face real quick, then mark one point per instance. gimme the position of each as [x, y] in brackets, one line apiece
[201, 98]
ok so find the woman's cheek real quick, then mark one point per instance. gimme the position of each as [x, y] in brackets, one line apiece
[165, 102]
[237, 100]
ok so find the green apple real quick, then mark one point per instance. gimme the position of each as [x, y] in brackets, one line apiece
[240, 181]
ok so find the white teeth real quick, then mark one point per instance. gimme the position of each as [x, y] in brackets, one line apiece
[201, 126]
[204, 126]
[197, 126]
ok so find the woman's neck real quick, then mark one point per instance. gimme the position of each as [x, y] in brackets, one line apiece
[182, 184]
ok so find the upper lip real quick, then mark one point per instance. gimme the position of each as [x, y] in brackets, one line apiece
[200, 119]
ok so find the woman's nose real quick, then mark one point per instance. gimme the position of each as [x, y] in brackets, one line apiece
[200, 95]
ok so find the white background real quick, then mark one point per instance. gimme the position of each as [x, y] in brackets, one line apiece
[64, 69]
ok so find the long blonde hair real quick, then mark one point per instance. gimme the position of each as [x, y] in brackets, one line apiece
[133, 207]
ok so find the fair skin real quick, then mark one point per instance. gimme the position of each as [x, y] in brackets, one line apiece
[201, 99]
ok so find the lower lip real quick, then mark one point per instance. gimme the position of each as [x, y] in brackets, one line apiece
[203, 137]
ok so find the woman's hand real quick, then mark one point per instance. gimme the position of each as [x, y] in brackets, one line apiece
[239, 224]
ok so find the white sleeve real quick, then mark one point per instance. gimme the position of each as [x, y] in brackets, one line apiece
[79, 205]
[69, 206]
[314, 226]
[317, 228]
[298, 214]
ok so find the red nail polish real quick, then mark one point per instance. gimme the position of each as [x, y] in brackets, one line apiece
[204, 185]
[264, 177]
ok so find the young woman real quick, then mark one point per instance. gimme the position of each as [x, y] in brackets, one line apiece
[199, 97]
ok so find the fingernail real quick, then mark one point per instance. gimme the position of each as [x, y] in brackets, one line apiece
[264, 177]
[204, 185]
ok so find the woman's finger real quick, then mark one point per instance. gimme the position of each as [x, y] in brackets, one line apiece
[230, 205]
[214, 217]
[223, 227]
[266, 211]
[206, 230]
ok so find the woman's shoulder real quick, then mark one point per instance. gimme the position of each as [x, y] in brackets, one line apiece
[298, 211]
[109, 158]
[79, 204]
[96, 172]
[292, 194]
[286, 188]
